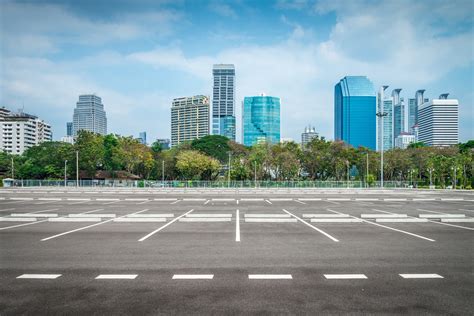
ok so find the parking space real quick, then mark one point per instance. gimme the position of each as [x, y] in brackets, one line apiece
[280, 249]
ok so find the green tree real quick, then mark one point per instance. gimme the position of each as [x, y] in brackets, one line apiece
[215, 146]
[91, 152]
[193, 165]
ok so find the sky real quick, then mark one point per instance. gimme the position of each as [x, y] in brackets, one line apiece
[139, 55]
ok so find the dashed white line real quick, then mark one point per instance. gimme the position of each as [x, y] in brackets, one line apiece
[270, 277]
[116, 276]
[207, 202]
[421, 276]
[237, 226]
[313, 227]
[345, 276]
[193, 276]
[268, 202]
[164, 226]
[299, 202]
[38, 276]
[175, 202]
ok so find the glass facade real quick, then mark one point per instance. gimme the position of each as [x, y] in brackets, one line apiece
[261, 120]
[89, 115]
[223, 100]
[354, 112]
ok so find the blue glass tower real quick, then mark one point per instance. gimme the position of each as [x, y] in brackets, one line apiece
[260, 120]
[354, 111]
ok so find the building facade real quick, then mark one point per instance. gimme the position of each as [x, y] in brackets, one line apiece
[260, 120]
[385, 136]
[89, 115]
[164, 143]
[223, 100]
[20, 131]
[69, 129]
[438, 122]
[189, 119]
[308, 135]
[354, 112]
[142, 138]
[403, 140]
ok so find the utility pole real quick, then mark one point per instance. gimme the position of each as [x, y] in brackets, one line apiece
[77, 168]
[13, 173]
[381, 115]
[255, 172]
[65, 173]
[431, 182]
[228, 172]
[367, 171]
[163, 172]
[455, 169]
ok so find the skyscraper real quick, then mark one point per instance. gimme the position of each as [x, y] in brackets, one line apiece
[69, 129]
[308, 135]
[400, 114]
[142, 138]
[261, 120]
[438, 122]
[189, 119]
[385, 105]
[223, 100]
[354, 111]
[89, 115]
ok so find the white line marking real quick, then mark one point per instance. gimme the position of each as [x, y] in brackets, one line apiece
[237, 202]
[366, 199]
[208, 215]
[38, 276]
[116, 276]
[313, 227]
[421, 276]
[74, 219]
[454, 199]
[270, 220]
[422, 199]
[81, 202]
[33, 215]
[164, 226]
[205, 219]
[207, 202]
[299, 202]
[73, 199]
[394, 200]
[268, 202]
[175, 202]
[92, 215]
[170, 199]
[435, 222]
[17, 219]
[150, 215]
[345, 276]
[338, 199]
[391, 215]
[223, 200]
[193, 276]
[85, 227]
[281, 199]
[266, 215]
[325, 215]
[147, 201]
[8, 209]
[270, 277]
[442, 215]
[336, 220]
[251, 199]
[457, 220]
[140, 220]
[387, 227]
[136, 199]
[237, 225]
[401, 220]
[310, 199]
[105, 200]
[21, 199]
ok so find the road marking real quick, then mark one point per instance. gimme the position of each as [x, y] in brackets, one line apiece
[105, 200]
[223, 200]
[116, 276]
[237, 225]
[207, 202]
[325, 215]
[336, 220]
[442, 215]
[21, 199]
[208, 215]
[281, 199]
[205, 219]
[175, 202]
[457, 220]
[366, 199]
[147, 201]
[150, 215]
[345, 276]
[237, 202]
[391, 215]
[48, 202]
[422, 199]
[387, 227]
[85, 227]
[38, 276]
[270, 220]
[309, 199]
[49, 199]
[136, 200]
[394, 200]
[464, 210]
[33, 215]
[194, 199]
[92, 215]
[453, 199]
[268, 202]
[266, 215]
[7, 209]
[299, 202]
[170, 199]
[313, 227]
[270, 277]
[17, 219]
[421, 276]
[74, 219]
[81, 202]
[74, 199]
[435, 222]
[140, 220]
[401, 220]
[338, 199]
[193, 276]
[164, 226]
[251, 199]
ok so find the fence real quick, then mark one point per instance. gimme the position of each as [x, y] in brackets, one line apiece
[203, 184]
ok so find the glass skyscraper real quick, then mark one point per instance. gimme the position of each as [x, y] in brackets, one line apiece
[354, 111]
[385, 105]
[261, 120]
[89, 115]
[223, 100]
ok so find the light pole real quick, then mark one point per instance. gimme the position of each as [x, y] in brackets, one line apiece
[162, 172]
[228, 172]
[431, 182]
[381, 115]
[255, 172]
[77, 168]
[65, 173]
[367, 171]
[455, 169]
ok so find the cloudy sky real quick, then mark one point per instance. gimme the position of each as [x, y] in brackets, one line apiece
[139, 55]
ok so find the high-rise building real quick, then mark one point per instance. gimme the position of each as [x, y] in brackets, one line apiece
[404, 139]
[89, 115]
[385, 105]
[308, 135]
[261, 120]
[438, 122]
[164, 142]
[69, 129]
[189, 118]
[223, 100]
[142, 138]
[354, 111]
[20, 131]
[400, 114]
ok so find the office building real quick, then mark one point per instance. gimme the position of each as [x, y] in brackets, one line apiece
[89, 115]
[69, 129]
[189, 119]
[260, 120]
[385, 105]
[20, 131]
[400, 114]
[404, 139]
[354, 112]
[67, 139]
[308, 135]
[164, 143]
[223, 100]
[438, 122]
[142, 138]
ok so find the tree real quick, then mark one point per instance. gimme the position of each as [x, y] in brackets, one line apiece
[215, 146]
[193, 165]
[91, 152]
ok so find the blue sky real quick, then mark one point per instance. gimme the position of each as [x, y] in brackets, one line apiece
[139, 55]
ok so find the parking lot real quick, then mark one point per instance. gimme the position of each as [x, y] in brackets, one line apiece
[236, 251]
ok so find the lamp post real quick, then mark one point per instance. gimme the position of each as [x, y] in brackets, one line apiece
[255, 172]
[77, 168]
[367, 171]
[381, 115]
[162, 172]
[455, 169]
[431, 182]
[65, 173]
[228, 172]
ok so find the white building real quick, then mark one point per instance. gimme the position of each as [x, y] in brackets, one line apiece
[189, 119]
[403, 140]
[308, 135]
[438, 122]
[67, 139]
[20, 131]
[89, 115]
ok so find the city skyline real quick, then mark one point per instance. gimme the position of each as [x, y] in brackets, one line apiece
[136, 57]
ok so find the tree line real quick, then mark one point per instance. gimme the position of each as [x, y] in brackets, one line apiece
[208, 159]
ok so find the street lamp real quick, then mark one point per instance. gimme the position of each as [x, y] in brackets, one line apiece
[455, 169]
[163, 173]
[431, 182]
[77, 168]
[228, 171]
[381, 115]
[65, 173]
